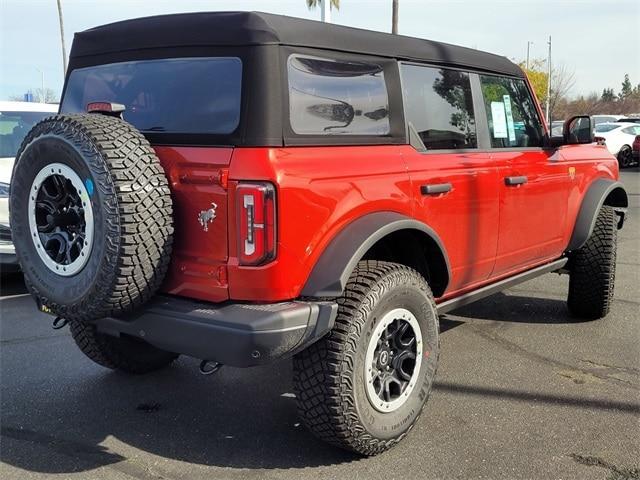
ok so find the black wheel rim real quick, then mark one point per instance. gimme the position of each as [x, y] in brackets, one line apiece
[393, 360]
[61, 219]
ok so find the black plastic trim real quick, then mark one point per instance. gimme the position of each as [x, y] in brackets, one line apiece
[435, 188]
[593, 200]
[496, 287]
[236, 334]
[331, 272]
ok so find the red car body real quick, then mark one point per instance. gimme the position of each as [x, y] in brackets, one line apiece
[534, 221]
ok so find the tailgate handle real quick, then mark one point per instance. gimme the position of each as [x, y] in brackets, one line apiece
[512, 181]
[435, 188]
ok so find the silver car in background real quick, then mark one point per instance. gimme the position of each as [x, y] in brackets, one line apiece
[16, 119]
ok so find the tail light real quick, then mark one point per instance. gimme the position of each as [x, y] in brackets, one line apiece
[256, 207]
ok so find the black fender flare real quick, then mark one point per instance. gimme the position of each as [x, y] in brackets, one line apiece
[332, 270]
[603, 191]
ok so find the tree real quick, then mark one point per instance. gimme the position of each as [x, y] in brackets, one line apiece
[626, 88]
[608, 95]
[314, 3]
[537, 75]
[562, 81]
[46, 96]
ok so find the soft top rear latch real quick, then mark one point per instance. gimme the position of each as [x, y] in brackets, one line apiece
[106, 108]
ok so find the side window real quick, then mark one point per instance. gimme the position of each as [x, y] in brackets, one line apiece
[439, 106]
[635, 130]
[511, 113]
[330, 97]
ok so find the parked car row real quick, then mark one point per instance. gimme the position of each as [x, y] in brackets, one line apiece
[621, 134]
[622, 140]
[16, 119]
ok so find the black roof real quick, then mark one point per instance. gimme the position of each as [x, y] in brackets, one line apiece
[256, 28]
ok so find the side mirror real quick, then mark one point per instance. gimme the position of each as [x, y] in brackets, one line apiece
[578, 129]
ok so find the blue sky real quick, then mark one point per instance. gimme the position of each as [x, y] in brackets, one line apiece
[598, 40]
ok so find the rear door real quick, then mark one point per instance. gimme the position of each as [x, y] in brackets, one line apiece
[454, 184]
[534, 182]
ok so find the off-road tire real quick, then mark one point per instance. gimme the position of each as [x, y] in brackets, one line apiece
[329, 375]
[124, 353]
[593, 269]
[133, 218]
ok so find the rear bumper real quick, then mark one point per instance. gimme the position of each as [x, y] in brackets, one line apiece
[240, 335]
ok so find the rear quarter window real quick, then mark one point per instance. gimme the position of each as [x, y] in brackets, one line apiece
[178, 95]
[331, 97]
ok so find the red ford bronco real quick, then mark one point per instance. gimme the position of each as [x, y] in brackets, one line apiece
[244, 187]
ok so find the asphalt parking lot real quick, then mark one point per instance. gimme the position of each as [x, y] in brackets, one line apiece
[522, 392]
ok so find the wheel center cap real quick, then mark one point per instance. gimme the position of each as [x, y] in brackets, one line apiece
[384, 358]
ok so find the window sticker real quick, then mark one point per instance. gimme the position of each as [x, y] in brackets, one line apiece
[510, 128]
[499, 120]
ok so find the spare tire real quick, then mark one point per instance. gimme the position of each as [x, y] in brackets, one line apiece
[91, 216]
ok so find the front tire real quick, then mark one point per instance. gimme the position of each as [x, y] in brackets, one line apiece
[123, 353]
[593, 269]
[346, 393]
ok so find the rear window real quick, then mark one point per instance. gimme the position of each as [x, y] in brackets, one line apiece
[331, 97]
[178, 95]
[439, 106]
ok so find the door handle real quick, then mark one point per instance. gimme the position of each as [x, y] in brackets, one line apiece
[512, 181]
[435, 188]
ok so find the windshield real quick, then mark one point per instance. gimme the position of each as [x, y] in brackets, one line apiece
[177, 95]
[606, 127]
[13, 128]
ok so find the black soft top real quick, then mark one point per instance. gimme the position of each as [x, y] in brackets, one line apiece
[237, 29]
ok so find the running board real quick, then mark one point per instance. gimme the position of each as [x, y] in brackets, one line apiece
[490, 289]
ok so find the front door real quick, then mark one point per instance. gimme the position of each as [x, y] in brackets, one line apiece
[534, 182]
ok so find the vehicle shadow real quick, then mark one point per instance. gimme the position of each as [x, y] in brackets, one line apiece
[503, 307]
[12, 283]
[237, 418]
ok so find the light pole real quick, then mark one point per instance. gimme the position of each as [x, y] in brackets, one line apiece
[528, 46]
[394, 17]
[44, 95]
[64, 49]
[548, 83]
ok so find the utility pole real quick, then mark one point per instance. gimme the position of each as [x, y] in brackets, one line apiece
[528, 45]
[64, 49]
[394, 18]
[548, 83]
[44, 94]
[325, 7]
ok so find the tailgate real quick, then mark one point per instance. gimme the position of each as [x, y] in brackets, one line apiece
[197, 178]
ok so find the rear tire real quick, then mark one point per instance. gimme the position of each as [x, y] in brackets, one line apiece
[124, 353]
[337, 388]
[593, 269]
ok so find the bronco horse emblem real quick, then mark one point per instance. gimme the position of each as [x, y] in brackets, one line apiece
[206, 216]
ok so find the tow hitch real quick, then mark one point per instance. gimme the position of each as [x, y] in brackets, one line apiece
[209, 367]
[59, 323]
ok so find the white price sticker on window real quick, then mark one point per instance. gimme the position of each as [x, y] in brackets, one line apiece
[499, 120]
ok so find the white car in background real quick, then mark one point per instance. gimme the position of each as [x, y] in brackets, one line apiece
[598, 119]
[16, 119]
[619, 138]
